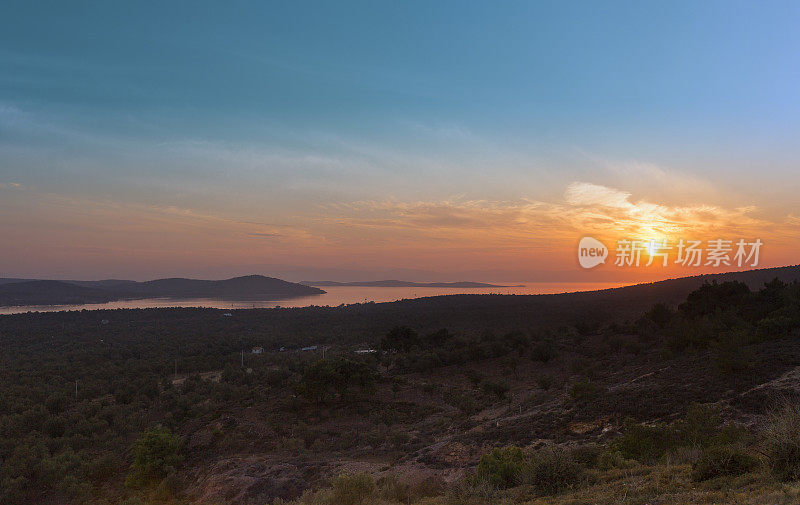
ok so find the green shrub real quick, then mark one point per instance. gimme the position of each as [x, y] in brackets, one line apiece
[722, 460]
[587, 455]
[732, 434]
[353, 489]
[155, 454]
[428, 487]
[699, 425]
[501, 467]
[645, 444]
[391, 489]
[550, 471]
[781, 442]
[610, 459]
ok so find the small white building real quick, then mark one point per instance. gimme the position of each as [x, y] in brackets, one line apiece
[227, 314]
[310, 348]
[257, 350]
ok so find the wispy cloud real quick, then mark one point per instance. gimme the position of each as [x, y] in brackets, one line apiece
[586, 194]
[645, 219]
[455, 232]
[586, 209]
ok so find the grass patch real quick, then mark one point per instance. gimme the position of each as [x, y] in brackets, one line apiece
[781, 442]
[722, 461]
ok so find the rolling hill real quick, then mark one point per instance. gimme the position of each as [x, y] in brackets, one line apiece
[249, 286]
[50, 293]
[47, 292]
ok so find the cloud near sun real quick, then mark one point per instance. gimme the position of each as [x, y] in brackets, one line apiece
[443, 233]
[586, 209]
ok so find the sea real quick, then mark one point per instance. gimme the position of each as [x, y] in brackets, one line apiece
[334, 296]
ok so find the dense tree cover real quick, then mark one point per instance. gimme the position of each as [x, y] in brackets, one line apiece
[76, 394]
[77, 389]
[725, 318]
[338, 378]
[406, 349]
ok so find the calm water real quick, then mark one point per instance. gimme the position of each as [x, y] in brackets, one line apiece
[335, 295]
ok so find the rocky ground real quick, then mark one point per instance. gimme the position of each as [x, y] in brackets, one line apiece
[433, 436]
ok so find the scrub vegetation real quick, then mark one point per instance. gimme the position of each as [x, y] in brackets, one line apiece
[689, 402]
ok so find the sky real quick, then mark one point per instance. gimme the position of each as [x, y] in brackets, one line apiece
[359, 140]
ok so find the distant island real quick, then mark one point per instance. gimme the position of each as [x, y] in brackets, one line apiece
[16, 292]
[408, 284]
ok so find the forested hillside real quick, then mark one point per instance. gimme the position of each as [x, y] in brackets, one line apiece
[184, 405]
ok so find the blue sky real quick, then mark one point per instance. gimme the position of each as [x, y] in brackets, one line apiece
[288, 112]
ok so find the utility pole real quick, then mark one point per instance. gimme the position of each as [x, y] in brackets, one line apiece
[242, 358]
[76, 389]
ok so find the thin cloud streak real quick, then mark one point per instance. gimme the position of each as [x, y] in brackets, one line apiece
[456, 233]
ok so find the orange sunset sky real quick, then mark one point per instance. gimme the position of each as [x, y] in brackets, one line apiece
[427, 142]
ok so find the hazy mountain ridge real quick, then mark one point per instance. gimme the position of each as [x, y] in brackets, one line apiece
[50, 293]
[46, 292]
[15, 292]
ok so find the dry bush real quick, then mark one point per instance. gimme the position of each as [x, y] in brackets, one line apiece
[781, 441]
[551, 470]
[722, 461]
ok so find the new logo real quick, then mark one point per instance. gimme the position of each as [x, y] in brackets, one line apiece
[591, 252]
